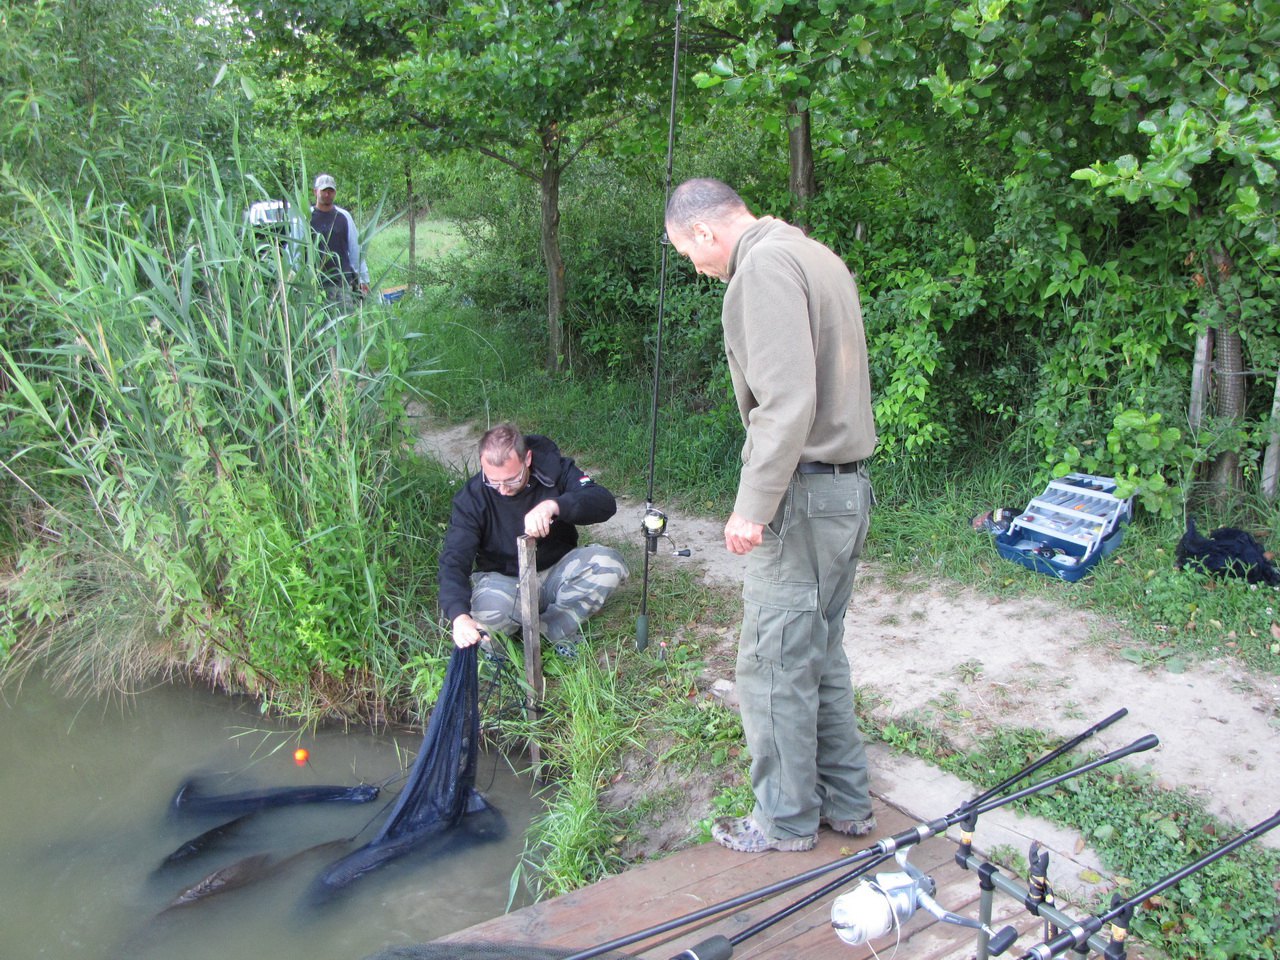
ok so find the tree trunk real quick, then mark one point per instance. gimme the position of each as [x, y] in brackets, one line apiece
[413, 209]
[1229, 366]
[549, 189]
[1271, 459]
[801, 180]
[1229, 389]
[1201, 377]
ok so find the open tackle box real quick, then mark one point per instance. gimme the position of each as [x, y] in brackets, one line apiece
[1068, 528]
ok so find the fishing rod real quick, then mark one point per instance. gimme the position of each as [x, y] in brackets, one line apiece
[871, 856]
[1049, 757]
[654, 522]
[714, 947]
[1121, 911]
[920, 889]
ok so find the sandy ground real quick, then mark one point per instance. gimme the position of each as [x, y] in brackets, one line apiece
[976, 662]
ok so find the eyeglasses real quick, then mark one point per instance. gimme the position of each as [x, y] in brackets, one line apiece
[515, 483]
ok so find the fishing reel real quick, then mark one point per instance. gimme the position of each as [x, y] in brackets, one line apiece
[876, 907]
[654, 527]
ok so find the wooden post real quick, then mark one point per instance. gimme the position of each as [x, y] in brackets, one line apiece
[530, 624]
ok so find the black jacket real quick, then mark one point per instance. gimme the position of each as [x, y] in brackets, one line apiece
[484, 525]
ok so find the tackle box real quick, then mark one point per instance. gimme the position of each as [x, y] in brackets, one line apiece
[1068, 528]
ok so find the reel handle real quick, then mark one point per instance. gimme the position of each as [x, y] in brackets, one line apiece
[712, 948]
[1002, 941]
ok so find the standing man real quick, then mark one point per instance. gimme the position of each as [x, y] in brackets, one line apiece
[798, 359]
[342, 269]
[526, 487]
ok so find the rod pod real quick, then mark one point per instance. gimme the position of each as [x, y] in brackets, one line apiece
[877, 853]
[1078, 934]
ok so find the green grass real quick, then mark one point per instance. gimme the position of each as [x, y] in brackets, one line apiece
[387, 249]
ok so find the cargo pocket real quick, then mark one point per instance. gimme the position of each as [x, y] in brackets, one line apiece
[777, 620]
[835, 502]
[782, 516]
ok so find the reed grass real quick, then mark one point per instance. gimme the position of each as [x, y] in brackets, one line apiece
[210, 446]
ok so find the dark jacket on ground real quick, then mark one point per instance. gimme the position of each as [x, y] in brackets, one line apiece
[484, 525]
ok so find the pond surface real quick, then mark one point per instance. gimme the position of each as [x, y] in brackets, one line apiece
[85, 791]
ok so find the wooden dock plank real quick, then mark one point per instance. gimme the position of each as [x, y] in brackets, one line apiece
[708, 875]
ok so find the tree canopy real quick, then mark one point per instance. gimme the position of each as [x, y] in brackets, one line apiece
[1063, 221]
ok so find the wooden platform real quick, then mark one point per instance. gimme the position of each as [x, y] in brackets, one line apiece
[707, 875]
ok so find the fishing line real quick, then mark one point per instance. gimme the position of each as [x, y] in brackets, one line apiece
[402, 774]
[654, 522]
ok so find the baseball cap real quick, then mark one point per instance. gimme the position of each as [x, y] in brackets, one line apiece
[326, 182]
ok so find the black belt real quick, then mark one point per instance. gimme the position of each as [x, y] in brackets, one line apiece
[817, 466]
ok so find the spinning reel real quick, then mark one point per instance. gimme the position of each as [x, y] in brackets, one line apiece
[654, 527]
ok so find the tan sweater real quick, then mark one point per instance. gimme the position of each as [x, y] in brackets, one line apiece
[798, 357]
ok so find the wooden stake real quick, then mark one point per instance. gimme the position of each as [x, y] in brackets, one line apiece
[530, 626]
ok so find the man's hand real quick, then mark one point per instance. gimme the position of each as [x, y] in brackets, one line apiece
[466, 632]
[364, 289]
[537, 522]
[742, 535]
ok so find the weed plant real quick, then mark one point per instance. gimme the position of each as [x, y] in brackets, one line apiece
[589, 723]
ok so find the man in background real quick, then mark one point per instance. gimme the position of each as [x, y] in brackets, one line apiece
[526, 487]
[342, 269]
[797, 356]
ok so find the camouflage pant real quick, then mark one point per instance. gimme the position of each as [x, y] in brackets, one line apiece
[569, 592]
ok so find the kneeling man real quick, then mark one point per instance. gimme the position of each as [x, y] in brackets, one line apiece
[526, 486]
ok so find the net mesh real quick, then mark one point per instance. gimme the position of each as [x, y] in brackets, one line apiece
[441, 786]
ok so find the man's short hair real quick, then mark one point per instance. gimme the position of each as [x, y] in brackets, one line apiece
[705, 199]
[500, 442]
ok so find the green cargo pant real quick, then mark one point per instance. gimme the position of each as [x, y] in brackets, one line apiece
[796, 695]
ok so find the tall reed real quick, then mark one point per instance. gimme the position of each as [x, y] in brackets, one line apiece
[207, 448]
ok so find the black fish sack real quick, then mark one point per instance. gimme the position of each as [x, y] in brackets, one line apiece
[441, 786]
[444, 774]
[1227, 552]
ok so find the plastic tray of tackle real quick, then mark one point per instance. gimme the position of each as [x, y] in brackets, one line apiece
[1066, 530]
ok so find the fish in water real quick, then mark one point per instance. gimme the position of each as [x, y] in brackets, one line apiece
[188, 799]
[198, 845]
[243, 872]
[231, 877]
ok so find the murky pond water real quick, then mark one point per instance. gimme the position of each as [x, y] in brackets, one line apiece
[85, 792]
